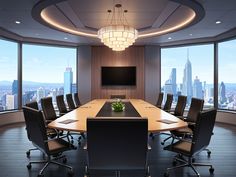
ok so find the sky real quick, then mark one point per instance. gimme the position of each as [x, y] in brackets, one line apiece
[40, 63]
[47, 64]
[201, 58]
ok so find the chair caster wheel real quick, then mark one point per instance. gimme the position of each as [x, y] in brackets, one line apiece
[162, 143]
[71, 172]
[166, 174]
[193, 160]
[28, 153]
[64, 160]
[211, 170]
[208, 153]
[29, 166]
[41, 175]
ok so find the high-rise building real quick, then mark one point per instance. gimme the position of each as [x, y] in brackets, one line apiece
[11, 101]
[197, 88]
[40, 93]
[68, 79]
[223, 98]
[170, 84]
[187, 80]
[15, 87]
[74, 88]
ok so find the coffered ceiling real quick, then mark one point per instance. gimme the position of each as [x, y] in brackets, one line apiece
[142, 14]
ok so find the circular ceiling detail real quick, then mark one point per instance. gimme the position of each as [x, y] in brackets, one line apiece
[85, 18]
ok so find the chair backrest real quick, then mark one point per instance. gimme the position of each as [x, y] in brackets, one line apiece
[61, 104]
[35, 127]
[118, 96]
[195, 107]
[203, 130]
[180, 106]
[168, 102]
[32, 104]
[159, 100]
[117, 144]
[70, 101]
[76, 99]
[48, 109]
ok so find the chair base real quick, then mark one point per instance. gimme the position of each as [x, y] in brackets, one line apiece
[28, 152]
[188, 163]
[51, 161]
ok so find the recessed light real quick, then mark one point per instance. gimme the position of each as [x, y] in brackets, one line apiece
[17, 22]
[190, 34]
[218, 22]
[65, 38]
[169, 38]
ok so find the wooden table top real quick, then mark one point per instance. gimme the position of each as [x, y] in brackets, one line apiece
[145, 109]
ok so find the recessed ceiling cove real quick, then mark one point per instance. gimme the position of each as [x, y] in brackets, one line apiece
[149, 18]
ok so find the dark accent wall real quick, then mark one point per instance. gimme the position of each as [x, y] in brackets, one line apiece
[84, 73]
[104, 56]
[152, 73]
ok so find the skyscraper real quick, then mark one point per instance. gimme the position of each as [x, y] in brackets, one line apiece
[11, 101]
[187, 80]
[170, 84]
[223, 98]
[40, 93]
[197, 88]
[14, 87]
[68, 79]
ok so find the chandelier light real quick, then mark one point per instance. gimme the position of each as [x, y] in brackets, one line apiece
[118, 35]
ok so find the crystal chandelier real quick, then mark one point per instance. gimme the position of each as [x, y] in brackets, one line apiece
[118, 35]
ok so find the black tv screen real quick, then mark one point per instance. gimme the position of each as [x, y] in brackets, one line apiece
[119, 76]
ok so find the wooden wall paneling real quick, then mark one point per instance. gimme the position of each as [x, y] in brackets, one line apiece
[103, 56]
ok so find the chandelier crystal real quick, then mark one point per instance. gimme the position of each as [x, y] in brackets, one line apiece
[117, 35]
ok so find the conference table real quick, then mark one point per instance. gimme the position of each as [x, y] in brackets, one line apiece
[158, 120]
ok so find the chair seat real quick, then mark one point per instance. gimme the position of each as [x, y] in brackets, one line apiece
[58, 145]
[182, 147]
[182, 131]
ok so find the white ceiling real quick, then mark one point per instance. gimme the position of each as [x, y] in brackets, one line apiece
[141, 14]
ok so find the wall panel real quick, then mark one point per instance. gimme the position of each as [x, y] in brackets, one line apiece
[103, 56]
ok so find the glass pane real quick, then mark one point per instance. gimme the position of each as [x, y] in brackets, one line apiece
[188, 71]
[227, 73]
[8, 75]
[48, 71]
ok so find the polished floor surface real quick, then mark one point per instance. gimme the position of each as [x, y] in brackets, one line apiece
[14, 144]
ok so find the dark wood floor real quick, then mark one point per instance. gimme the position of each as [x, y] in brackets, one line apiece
[14, 144]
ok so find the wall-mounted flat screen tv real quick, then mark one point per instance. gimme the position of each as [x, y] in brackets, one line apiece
[118, 76]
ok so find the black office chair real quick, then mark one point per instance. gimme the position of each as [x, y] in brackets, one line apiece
[77, 100]
[201, 139]
[180, 106]
[50, 131]
[195, 107]
[179, 111]
[159, 100]
[63, 110]
[61, 105]
[36, 132]
[70, 101]
[33, 105]
[168, 102]
[48, 109]
[117, 96]
[117, 144]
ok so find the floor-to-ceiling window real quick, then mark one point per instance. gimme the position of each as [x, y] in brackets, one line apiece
[189, 71]
[227, 75]
[8, 75]
[47, 71]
